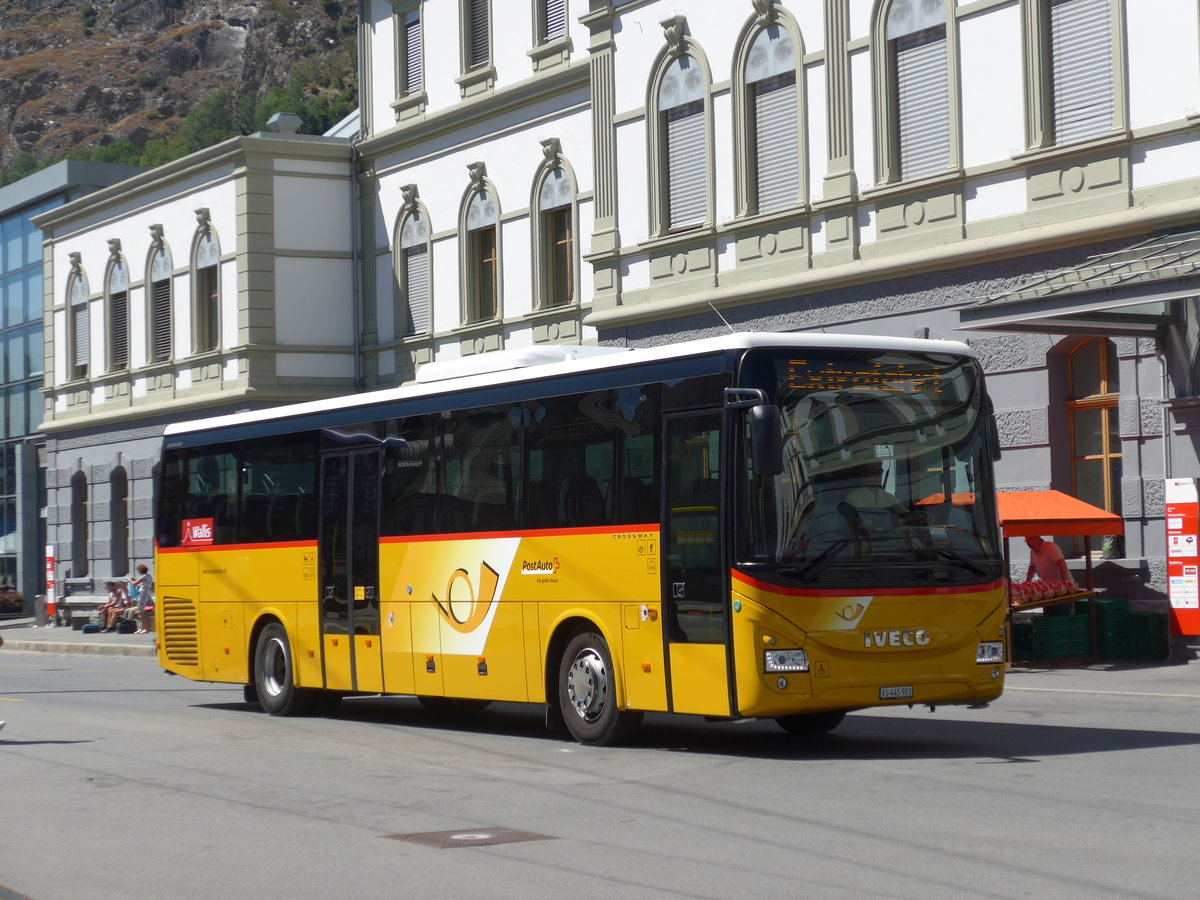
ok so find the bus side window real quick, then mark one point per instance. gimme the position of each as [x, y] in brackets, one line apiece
[410, 477]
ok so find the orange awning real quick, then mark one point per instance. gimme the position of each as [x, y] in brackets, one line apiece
[1053, 514]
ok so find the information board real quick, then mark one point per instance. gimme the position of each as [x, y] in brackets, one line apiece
[1183, 555]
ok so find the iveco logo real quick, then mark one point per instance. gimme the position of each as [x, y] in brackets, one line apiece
[918, 637]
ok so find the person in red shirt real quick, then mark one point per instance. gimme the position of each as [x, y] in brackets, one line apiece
[1046, 560]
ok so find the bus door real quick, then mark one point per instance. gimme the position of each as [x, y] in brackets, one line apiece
[695, 586]
[348, 571]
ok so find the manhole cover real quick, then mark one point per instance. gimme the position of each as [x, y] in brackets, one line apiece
[472, 837]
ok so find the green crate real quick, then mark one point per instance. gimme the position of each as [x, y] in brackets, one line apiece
[1115, 648]
[1061, 647]
[1147, 636]
[1060, 626]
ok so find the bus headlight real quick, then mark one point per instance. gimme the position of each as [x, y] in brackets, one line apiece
[990, 652]
[785, 661]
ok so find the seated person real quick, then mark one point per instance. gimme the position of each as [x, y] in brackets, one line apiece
[114, 608]
[876, 508]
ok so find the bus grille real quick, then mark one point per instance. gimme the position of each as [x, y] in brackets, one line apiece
[180, 637]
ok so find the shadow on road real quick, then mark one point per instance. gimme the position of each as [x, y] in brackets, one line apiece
[862, 735]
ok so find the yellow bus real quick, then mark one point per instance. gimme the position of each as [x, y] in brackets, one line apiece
[753, 526]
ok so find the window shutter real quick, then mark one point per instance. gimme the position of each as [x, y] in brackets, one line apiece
[414, 77]
[556, 20]
[687, 191]
[1081, 61]
[776, 154]
[160, 320]
[81, 349]
[118, 338]
[416, 289]
[923, 103]
[478, 35]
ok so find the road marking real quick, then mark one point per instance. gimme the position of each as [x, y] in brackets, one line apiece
[1109, 693]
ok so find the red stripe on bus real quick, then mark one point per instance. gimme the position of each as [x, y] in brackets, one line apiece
[214, 548]
[874, 592]
[537, 532]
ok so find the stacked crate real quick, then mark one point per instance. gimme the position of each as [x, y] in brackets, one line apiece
[1112, 628]
[1061, 637]
[1022, 641]
[1147, 636]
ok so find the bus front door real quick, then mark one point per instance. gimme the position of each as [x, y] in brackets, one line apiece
[348, 571]
[695, 589]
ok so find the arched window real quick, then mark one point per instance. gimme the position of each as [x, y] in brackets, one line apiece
[914, 58]
[118, 514]
[159, 297]
[206, 296]
[414, 316]
[1094, 393]
[78, 333]
[555, 227]
[772, 116]
[116, 295]
[79, 525]
[681, 167]
[480, 239]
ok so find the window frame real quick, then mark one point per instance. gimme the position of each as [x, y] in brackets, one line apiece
[206, 298]
[888, 149]
[660, 133]
[1107, 402]
[78, 321]
[159, 319]
[411, 99]
[544, 238]
[1041, 127]
[471, 246]
[405, 326]
[748, 160]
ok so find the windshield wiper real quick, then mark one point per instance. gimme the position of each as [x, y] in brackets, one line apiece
[810, 570]
[955, 556]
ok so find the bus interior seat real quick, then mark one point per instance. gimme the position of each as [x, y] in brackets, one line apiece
[630, 502]
[281, 516]
[252, 523]
[580, 501]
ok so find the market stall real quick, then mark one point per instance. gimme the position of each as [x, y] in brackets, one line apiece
[1053, 513]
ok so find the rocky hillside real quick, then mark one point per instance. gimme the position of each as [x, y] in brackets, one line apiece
[77, 75]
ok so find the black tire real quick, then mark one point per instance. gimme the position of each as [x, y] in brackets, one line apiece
[808, 724]
[275, 675]
[250, 694]
[587, 693]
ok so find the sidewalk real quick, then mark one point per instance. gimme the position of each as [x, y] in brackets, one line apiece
[23, 634]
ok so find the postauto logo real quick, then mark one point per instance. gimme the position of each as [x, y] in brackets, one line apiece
[540, 566]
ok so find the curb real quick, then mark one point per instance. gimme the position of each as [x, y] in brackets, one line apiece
[94, 649]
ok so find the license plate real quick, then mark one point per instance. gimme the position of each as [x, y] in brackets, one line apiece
[901, 692]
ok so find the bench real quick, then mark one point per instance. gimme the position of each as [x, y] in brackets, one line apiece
[79, 609]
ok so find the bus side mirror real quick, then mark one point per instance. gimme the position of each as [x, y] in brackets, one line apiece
[766, 440]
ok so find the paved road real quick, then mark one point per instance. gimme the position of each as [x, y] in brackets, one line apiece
[119, 781]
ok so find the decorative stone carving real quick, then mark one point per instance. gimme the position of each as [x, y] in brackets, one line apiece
[674, 30]
[114, 249]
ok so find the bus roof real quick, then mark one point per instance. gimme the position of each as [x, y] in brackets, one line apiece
[540, 362]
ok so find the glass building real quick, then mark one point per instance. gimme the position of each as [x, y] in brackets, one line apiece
[22, 366]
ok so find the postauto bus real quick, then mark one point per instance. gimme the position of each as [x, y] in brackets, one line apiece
[759, 525]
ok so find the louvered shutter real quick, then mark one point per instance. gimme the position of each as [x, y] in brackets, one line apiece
[776, 155]
[118, 337]
[477, 54]
[416, 289]
[556, 20]
[686, 185]
[160, 319]
[414, 76]
[1081, 62]
[923, 103]
[79, 333]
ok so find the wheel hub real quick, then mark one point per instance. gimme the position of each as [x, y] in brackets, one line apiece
[587, 685]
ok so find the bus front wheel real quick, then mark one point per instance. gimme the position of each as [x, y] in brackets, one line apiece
[275, 677]
[812, 723]
[587, 693]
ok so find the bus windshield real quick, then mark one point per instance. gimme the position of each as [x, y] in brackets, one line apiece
[886, 476]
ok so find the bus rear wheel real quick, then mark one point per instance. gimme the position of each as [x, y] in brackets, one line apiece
[275, 676]
[587, 693]
[807, 724]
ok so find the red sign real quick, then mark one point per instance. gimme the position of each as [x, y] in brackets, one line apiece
[50, 578]
[197, 531]
[1183, 555]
